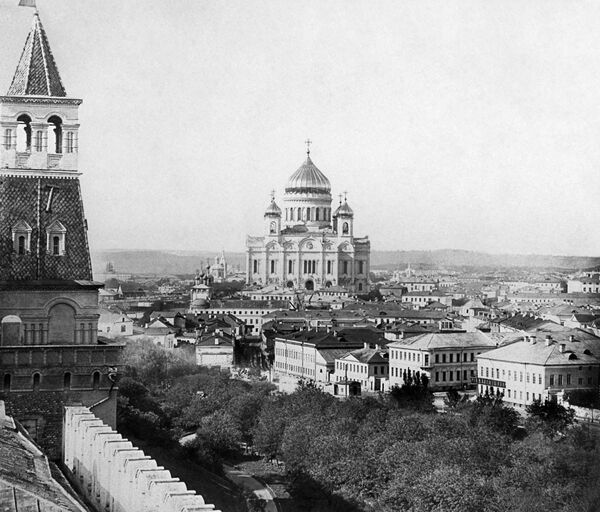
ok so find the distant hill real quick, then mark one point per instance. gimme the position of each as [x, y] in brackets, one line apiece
[186, 262]
[459, 258]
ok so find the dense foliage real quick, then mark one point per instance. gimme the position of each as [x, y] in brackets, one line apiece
[383, 454]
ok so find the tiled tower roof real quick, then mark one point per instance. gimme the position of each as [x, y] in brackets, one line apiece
[36, 74]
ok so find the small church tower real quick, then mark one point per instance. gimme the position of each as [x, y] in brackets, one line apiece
[49, 350]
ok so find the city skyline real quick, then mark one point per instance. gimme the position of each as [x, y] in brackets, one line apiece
[450, 125]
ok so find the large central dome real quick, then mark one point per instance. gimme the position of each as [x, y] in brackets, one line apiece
[308, 179]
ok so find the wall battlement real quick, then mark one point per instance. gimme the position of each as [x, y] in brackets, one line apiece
[116, 476]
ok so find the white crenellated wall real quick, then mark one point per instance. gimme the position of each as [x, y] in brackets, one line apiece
[115, 476]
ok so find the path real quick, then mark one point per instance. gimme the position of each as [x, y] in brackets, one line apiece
[247, 481]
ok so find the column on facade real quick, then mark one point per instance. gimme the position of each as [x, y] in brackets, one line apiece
[281, 271]
[299, 268]
[249, 267]
[264, 271]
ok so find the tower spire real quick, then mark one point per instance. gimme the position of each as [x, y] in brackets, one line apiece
[36, 73]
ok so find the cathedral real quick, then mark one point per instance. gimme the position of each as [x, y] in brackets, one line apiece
[307, 245]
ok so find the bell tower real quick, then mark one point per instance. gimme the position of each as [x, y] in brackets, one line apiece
[49, 350]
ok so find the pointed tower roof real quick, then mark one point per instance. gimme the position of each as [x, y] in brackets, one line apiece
[36, 74]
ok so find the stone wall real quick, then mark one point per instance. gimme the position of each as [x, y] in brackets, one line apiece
[114, 475]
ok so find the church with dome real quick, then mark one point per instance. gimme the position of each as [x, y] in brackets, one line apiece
[306, 245]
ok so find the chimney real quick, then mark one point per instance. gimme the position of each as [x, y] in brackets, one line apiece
[533, 340]
[561, 347]
[571, 338]
[366, 344]
[548, 340]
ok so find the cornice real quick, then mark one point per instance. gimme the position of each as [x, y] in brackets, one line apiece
[44, 100]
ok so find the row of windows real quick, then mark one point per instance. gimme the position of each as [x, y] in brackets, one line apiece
[294, 368]
[55, 238]
[533, 378]
[455, 358]
[454, 376]
[36, 379]
[52, 140]
[309, 266]
[301, 214]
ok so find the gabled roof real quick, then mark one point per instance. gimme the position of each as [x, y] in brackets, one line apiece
[446, 340]
[36, 74]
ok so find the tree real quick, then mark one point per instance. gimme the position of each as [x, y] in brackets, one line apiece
[552, 417]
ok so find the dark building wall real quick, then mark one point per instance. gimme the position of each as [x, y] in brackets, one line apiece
[26, 199]
[42, 413]
[36, 382]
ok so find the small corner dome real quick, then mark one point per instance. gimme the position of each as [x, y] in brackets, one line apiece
[273, 209]
[308, 179]
[344, 209]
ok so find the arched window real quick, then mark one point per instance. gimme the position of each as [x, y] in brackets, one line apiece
[56, 234]
[36, 381]
[6, 382]
[39, 140]
[96, 380]
[299, 212]
[55, 135]
[308, 214]
[24, 133]
[21, 233]
[21, 243]
[273, 228]
[291, 214]
[67, 380]
[317, 213]
[70, 142]
[345, 228]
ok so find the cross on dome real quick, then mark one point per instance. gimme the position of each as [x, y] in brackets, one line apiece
[308, 142]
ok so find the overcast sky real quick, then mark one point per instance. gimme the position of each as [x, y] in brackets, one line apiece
[452, 124]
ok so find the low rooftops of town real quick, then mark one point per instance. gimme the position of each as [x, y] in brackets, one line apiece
[248, 304]
[445, 340]
[555, 350]
[369, 355]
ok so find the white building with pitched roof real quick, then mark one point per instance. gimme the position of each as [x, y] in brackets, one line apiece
[538, 367]
[448, 359]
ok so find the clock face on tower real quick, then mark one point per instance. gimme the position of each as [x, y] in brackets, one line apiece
[309, 245]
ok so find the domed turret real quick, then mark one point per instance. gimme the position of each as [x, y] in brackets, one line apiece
[344, 210]
[273, 210]
[308, 179]
[307, 200]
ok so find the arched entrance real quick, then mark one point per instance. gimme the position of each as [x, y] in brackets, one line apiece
[309, 285]
[61, 327]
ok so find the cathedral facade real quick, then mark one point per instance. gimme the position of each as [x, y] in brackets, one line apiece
[308, 244]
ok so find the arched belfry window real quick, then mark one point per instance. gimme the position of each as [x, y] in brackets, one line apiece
[24, 133]
[67, 380]
[21, 236]
[36, 381]
[6, 382]
[96, 380]
[273, 228]
[55, 239]
[55, 135]
[345, 228]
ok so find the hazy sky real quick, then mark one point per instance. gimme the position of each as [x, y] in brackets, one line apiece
[451, 124]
